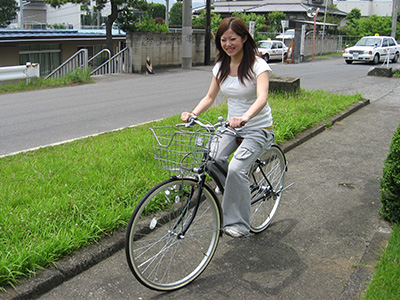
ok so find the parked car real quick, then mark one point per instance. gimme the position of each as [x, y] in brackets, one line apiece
[373, 49]
[289, 35]
[270, 49]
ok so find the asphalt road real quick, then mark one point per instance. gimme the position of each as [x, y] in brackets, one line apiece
[38, 118]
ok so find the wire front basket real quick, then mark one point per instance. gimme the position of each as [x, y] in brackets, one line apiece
[181, 150]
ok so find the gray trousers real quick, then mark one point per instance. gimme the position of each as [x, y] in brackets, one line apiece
[236, 199]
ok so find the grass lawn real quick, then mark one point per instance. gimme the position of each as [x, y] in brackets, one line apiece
[385, 283]
[58, 199]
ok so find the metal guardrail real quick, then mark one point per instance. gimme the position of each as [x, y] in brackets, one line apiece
[27, 72]
[119, 63]
[98, 54]
[77, 61]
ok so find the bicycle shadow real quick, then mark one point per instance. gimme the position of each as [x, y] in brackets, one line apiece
[262, 264]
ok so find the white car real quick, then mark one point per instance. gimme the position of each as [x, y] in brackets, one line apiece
[270, 49]
[288, 35]
[373, 49]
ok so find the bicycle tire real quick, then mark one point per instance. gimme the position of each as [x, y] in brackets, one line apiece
[265, 204]
[157, 256]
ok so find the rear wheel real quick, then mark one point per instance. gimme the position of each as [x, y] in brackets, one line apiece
[160, 253]
[266, 182]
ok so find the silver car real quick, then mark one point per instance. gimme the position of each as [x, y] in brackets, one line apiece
[270, 49]
[373, 49]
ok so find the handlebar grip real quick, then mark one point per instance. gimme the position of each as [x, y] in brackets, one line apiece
[191, 121]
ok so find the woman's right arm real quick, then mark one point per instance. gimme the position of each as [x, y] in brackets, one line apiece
[204, 103]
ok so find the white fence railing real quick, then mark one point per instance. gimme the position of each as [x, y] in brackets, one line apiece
[119, 63]
[27, 72]
[77, 61]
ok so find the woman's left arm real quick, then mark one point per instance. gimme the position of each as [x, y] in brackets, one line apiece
[257, 106]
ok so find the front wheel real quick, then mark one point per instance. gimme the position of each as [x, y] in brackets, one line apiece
[170, 239]
[376, 59]
[266, 184]
[395, 57]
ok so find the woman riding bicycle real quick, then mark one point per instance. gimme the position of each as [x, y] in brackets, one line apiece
[243, 78]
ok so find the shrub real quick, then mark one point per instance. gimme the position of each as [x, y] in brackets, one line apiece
[390, 182]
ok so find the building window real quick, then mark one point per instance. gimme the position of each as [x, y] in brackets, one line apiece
[47, 55]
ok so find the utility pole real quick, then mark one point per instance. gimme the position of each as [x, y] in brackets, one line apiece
[187, 34]
[167, 13]
[207, 50]
[395, 10]
[21, 15]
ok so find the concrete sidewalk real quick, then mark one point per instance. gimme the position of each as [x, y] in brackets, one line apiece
[326, 233]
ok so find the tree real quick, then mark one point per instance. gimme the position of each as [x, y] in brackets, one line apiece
[8, 12]
[125, 8]
[176, 14]
[258, 19]
[156, 10]
[274, 19]
[200, 21]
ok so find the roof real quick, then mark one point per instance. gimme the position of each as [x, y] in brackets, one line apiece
[296, 7]
[263, 6]
[15, 35]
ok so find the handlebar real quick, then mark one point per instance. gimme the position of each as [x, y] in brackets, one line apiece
[221, 126]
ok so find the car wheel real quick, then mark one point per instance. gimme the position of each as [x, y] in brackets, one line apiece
[395, 57]
[349, 62]
[266, 57]
[376, 59]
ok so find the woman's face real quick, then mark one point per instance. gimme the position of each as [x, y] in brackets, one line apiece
[232, 43]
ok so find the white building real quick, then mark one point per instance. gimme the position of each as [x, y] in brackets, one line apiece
[36, 14]
[382, 8]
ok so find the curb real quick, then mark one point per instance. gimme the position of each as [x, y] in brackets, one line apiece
[365, 268]
[83, 259]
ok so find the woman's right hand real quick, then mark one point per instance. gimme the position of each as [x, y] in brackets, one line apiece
[186, 115]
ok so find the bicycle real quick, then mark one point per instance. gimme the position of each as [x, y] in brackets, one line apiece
[174, 231]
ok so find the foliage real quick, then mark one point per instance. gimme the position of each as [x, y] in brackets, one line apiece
[148, 24]
[200, 20]
[368, 26]
[330, 16]
[56, 26]
[259, 22]
[274, 19]
[175, 14]
[90, 18]
[8, 12]
[74, 78]
[385, 283]
[156, 10]
[390, 182]
[352, 16]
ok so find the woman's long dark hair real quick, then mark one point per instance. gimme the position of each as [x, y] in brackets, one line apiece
[250, 50]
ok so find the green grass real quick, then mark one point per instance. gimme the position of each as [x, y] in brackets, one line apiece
[58, 199]
[77, 77]
[385, 283]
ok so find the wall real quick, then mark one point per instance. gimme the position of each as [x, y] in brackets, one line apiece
[9, 56]
[164, 49]
[322, 47]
